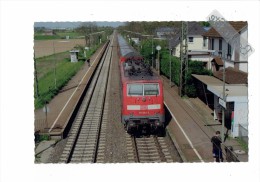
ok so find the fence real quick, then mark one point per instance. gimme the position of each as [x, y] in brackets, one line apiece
[230, 155]
[40, 125]
[243, 133]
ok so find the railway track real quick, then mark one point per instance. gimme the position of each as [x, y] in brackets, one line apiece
[87, 136]
[148, 149]
[86, 141]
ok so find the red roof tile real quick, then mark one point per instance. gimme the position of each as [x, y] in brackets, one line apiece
[237, 25]
[218, 61]
[233, 76]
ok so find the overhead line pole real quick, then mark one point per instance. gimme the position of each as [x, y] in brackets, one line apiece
[224, 99]
[36, 77]
[55, 80]
[183, 58]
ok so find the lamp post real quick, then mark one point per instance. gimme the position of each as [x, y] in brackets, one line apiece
[152, 52]
[36, 77]
[158, 48]
[55, 80]
[170, 50]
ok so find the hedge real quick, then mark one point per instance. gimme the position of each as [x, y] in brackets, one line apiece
[195, 67]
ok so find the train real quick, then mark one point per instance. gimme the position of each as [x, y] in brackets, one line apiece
[142, 92]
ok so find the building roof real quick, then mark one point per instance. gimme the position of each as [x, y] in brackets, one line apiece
[218, 61]
[208, 80]
[237, 93]
[237, 25]
[194, 28]
[74, 50]
[232, 76]
[166, 29]
[234, 93]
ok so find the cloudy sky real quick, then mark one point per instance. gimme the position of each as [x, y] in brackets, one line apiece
[73, 24]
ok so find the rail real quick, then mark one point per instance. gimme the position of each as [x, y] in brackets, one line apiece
[84, 136]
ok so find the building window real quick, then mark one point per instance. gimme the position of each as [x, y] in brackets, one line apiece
[220, 47]
[229, 52]
[174, 51]
[204, 41]
[212, 44]
[190, 39]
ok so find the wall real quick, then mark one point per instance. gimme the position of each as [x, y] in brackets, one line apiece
[244, 66]
[241, 66]
[197, 44]
[240, 117]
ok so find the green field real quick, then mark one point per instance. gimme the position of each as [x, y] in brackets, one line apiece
[47, 66]
[58, 35]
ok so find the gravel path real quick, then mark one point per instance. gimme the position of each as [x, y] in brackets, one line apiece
[115, 140]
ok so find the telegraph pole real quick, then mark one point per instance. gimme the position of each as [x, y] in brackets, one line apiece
[55, 80]
[152, 52]
[183, 57]
[224, 102]
[170, 54]
[35, 77]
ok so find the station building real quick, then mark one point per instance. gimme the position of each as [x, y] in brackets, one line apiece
[210, 91]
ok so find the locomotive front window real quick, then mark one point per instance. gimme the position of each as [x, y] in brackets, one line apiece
[135, 89]
[143, 89]
[151, 89]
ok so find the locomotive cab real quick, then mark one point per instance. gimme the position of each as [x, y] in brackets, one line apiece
[143, 108]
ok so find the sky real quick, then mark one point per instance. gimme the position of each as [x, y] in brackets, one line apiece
[74, 24]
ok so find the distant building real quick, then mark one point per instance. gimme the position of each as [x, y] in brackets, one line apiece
[136, 40]
[48, 32]
[166, 32]
[74, 56]
[210, 91]
[197, 44]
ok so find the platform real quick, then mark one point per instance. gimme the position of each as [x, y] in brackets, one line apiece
[55, 122]
[192, 127]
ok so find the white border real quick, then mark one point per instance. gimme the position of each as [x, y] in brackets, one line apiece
[17, 146]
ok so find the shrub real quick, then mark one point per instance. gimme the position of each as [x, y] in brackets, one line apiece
[195, 67]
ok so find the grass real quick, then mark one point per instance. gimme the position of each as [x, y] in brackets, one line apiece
[65, 70]
[243, 144]
[72, 35]
[46, 37]
[47, 63]
[46, 84]
[58, 35]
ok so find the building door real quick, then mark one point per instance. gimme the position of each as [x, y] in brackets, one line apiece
[228, 114]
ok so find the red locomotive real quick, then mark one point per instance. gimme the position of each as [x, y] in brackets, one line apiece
[142, 92]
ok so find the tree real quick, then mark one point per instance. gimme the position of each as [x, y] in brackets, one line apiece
[86, 28]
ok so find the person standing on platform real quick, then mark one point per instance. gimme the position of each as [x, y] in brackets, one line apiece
[88, 61]
[216, 147]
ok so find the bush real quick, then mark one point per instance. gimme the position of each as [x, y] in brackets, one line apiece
[195, 67]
